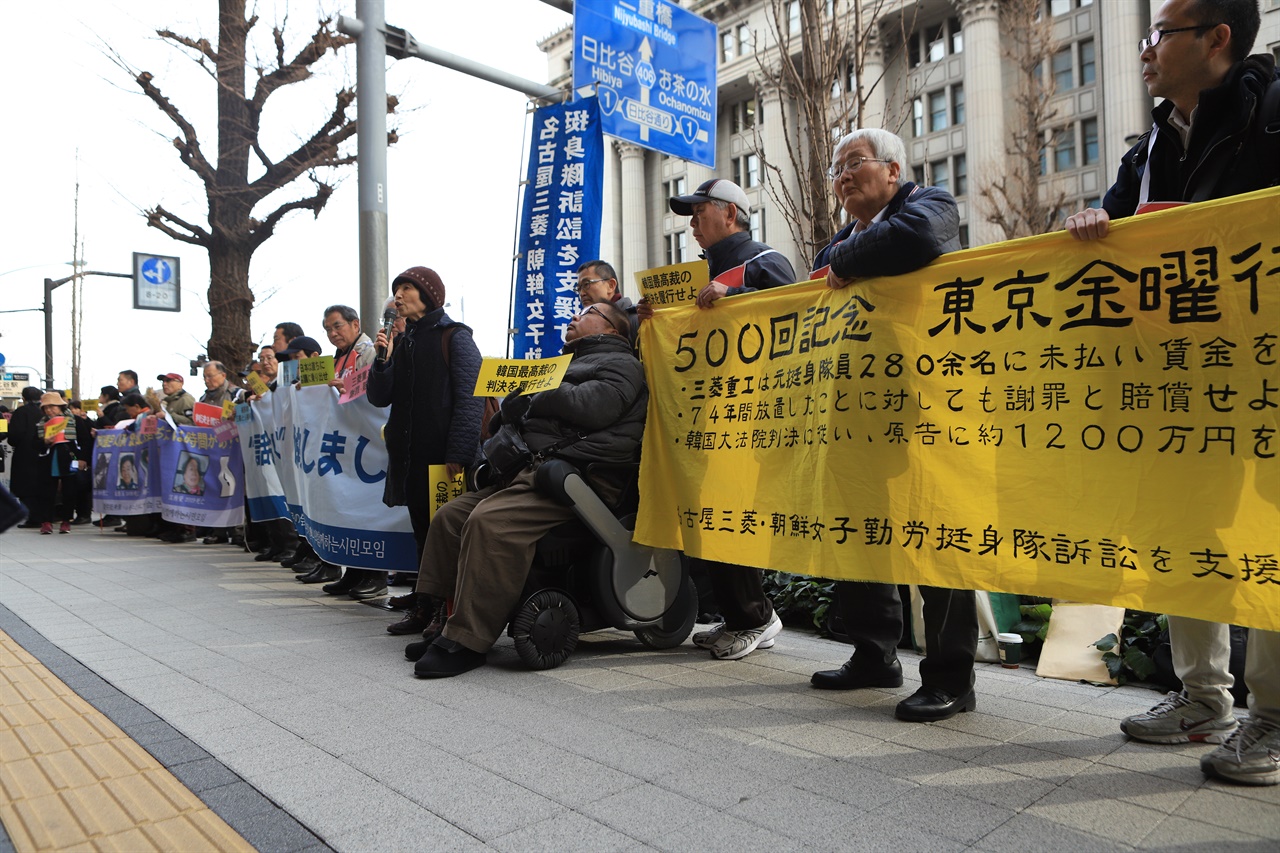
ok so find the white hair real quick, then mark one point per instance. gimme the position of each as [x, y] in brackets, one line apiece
[885, 145]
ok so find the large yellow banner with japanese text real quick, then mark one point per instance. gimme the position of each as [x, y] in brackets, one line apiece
[1090, 421]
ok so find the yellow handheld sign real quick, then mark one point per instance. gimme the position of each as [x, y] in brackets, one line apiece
[315, 371]
[500, 376]
[678, 284]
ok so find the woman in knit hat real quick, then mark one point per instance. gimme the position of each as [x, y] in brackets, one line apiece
[427, 378]
[55, 485]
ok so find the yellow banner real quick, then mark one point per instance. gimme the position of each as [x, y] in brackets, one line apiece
[443, 489]
[317, 370]
[676, 285]
[500, 376]
[1090, 421]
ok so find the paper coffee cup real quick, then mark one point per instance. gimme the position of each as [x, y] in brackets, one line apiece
[1010, 650]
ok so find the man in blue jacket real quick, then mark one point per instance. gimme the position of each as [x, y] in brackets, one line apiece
[895, 227]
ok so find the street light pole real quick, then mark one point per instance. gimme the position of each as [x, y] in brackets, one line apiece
[50, 285]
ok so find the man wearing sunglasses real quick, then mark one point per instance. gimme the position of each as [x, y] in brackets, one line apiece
[1216, 134]
[480, 545]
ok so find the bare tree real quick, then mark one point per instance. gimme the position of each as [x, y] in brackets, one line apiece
[1016, 201]
[822, 67]
[234, 231]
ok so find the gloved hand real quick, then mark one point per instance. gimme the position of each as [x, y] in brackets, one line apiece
[514, 407]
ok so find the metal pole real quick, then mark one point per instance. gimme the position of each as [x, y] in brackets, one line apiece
[371, 155]
[472, 68]
[48, 334]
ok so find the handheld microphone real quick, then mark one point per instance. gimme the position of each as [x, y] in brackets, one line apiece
[388, 320]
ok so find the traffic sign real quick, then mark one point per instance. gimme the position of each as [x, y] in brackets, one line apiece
[156, 282]
[653, 67]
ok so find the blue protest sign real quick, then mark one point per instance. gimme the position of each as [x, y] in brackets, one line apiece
[559, 223]
[654, 68]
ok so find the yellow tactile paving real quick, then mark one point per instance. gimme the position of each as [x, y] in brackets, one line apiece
[70, 779]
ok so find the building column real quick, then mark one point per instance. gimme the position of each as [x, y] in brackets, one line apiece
[773, 140]
[984, 96]
[1126, 105]
[610, 247]
[635, 253]
[873, 72]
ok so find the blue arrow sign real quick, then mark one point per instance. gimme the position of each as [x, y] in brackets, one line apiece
[653, 65]
[156, 282]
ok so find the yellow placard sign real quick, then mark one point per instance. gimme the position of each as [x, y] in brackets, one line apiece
[315, 371]
[443, 488]
[500, 376]
[228, 409]
[675, 285]
[4, 425]
[256, 384]
[1094, 421]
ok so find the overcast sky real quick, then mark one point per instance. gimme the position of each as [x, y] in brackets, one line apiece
[453, 177]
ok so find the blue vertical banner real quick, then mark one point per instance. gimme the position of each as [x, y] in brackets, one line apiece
[559, 223]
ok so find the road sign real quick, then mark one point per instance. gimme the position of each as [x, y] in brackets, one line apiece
[653, 65]
[156, 282]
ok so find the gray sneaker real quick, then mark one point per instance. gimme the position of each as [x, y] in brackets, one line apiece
[708, 639]
[1179, 719]
[1251, 756]
[733, 645]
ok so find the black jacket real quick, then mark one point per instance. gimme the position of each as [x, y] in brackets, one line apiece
[1226, 154]
[112, 413]
[919, 224]
[761, 270]
[27, 446]
[434, 416]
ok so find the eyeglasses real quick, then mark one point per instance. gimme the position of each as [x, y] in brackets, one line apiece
[1153, 38]
[335, 327]
[595, 309]
[852, 166]
[582, 285]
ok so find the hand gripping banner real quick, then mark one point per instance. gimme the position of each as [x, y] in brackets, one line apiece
[1091, 421]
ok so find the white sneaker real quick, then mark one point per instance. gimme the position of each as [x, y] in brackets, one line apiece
[1251, 756]
[734, 645]
[1179, 719]
[708, 639]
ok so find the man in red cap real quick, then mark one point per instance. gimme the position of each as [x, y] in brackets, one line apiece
[177, 401]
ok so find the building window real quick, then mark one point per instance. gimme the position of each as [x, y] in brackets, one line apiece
[726, 46]
[1064, 149]
[1088, 63]
[957, 104]
[964, 236]
[1063, 74]
[675, 187]
[960, 169]
[940, 174]
[677, 248]
[937, 110]
[1059, 7]
[746, 40]
[746, 171]
[917, 122]
[757, 224]
[932, 44]
[745, 115]
[1089, 136]
[793, 17]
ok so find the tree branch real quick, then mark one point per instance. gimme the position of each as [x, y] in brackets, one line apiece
[193, 234]
[188, 144]
[320, 150]
[262, 230]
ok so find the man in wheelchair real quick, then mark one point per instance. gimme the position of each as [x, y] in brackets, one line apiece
[480, 545]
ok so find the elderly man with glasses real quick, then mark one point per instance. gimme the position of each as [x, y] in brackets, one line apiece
[1215, 134]
[895, 227]
[597, 283]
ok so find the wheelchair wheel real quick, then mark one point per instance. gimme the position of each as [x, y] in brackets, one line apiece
[545, 629]
[676, 623]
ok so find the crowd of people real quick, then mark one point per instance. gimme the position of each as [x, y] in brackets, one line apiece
[473, 558]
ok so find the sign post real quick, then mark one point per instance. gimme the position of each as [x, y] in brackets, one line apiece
[156, 282]
[653, 66]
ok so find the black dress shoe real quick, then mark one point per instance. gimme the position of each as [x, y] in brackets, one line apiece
[293, 559]
[306, 564]
[856, 674]
[216, 539]
[268, 556]
[929, 704]
[82, 519]
[325, 573]
[371, 585]
[350, 578]
[445, 658]
[402, 602]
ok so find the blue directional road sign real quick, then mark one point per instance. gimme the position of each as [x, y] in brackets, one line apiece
[654, 68]
[156, 282]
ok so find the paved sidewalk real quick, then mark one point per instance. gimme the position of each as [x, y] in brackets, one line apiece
[274, 702]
